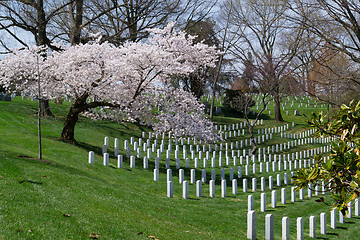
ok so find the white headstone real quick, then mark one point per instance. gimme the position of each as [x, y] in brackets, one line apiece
[198, 188]
[245, 185]
[185, 189]
[333, 218]
[269, 227]
[120, 161]
[312, 227]
[251, 225]
[234, 187]
[263, 202]
[192, 176]
[273, 199]
[341, 218]
[91, 157]
[283, 195]
[254, 184]
[170, 189]
[293, 194]
[132, 162]
[156, 174]
[106, 159]
[223, 188]
[212, 188]
[300, 228]
[285, 228]
[322, 223]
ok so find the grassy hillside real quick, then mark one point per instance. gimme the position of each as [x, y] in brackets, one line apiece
[64, 197]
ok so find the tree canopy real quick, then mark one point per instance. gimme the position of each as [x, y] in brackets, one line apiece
[340, 171]
[130, 82]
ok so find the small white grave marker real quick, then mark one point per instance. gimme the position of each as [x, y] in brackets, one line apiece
[120, 161]
[333, 219]
[285, 228]
[156, 174]
[250, 203]
[91, 157]
[186, 190]
[106, 159]
[312, 227]
[234, 187]
[170, 189]
[198, 188]
[322, 223]
[251, 225]
[263, 202]
[223, 188]
[212, 188]
[269, 227]
[132, 162]
[300, 228]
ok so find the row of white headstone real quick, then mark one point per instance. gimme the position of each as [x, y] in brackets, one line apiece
[200, 153]
[276, 161]
[154, 145]
[229, 130]
[310, 190]
[234, 182]
[278, 165]
[269, 224]
[307, 164]
[223, 177]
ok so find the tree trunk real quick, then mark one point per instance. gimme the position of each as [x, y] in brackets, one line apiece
[212, 103]
[41, 39]
[76, 21]
[45, 108]
[68, 131]
[252, 140]
[77, 107]
[214, 88]
[277, 102]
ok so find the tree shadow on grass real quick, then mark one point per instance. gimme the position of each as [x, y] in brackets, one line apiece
[116, 131]
[97, 150]
[344, 228]
[65, 168]
[30, 181]
[194, 199]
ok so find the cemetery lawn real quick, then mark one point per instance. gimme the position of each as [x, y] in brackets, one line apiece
[65, 197]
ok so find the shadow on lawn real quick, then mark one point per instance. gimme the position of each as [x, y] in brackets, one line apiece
[68, 169]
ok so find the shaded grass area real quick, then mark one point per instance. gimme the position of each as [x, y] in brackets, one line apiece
[67, 198]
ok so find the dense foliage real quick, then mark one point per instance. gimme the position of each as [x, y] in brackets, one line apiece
[238, 101]
[341, 170]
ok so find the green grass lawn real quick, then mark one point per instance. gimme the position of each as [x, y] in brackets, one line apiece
[64, 197]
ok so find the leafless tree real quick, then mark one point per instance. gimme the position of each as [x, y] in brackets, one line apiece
[123, 20]
[227, 40]
[334, 21]
[267, 29]
[334, 28]
[32, 17]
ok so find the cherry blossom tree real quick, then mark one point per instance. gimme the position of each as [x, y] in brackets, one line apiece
[130, 82]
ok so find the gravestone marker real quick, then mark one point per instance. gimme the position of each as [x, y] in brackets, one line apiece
[285, 228]
[91, 157]
[269, 227]
[312, 227]
[300, 228]
[106, 159]
[251, 225]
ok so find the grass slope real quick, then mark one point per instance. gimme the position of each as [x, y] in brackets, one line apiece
[67, 198]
